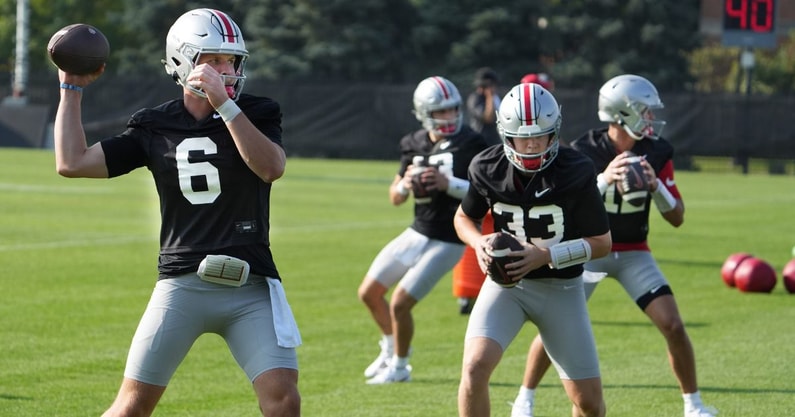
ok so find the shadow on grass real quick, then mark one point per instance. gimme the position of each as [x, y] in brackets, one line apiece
[639, 323]
[15, 397]
[707, 264]
[728, 390]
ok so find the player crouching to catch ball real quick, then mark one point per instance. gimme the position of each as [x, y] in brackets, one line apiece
[546, 196]
[213, 155]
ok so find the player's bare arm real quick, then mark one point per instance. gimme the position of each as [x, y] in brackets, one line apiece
[534, 257]
[400, 188]
[262, 156]
[468, 231]
[671, 208]
[600, 245]
[73, 157]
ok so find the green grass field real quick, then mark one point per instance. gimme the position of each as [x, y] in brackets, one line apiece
[79, 262]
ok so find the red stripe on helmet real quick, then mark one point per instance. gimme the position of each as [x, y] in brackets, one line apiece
[443, 86]
[226, 25]
[527, 100]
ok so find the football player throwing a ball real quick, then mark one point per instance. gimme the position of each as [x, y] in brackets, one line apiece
[213, 155]
[546, 196]
[627, 103]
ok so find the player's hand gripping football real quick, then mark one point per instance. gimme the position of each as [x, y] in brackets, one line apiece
[508, 267]
[80, 80]
[615, 171]
[431, 180]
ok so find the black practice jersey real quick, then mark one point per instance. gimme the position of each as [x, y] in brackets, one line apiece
[210, 201]
[451, 156]
[556, 204]
[628, 223]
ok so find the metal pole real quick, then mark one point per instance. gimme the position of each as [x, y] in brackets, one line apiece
[747, 62]
[21, 58]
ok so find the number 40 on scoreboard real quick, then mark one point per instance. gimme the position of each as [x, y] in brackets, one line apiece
[749, 23]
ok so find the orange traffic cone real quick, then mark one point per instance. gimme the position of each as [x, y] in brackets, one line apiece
[467, 277]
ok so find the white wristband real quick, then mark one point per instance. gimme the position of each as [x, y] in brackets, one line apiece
[457, 187]
[228, 111]
[401, 189]
[601, 183]
[663, 199]
[569, 253]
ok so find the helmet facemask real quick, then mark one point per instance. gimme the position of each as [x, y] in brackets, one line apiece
[205, 31]
[443, 127]
[630, 101]
[640, 122]
[531, 162]
[529, 111]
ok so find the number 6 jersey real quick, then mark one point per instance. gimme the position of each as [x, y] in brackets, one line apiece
[210, 201]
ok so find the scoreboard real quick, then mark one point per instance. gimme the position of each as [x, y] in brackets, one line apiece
[749, 23]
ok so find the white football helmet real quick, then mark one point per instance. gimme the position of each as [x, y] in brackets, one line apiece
[433, 94]
[528, 111]
[630, 101]
[202, 31]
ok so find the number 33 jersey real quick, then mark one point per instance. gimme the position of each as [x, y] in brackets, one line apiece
[209, 198]
[556, 204]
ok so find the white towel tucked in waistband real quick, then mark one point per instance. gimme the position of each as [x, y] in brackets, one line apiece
[287, 334]
[593, 277]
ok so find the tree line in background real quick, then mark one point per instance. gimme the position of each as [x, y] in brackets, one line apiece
[580, 42]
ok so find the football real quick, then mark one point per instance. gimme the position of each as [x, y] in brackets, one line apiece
[788, 276]
[755, 275]
[633, 187]
[732, 262]
[419, 188]
[78, 49]
[502, 244]
[421, 193]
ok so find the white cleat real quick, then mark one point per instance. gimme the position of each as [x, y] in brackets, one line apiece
[701, 411]
[391, 375]
[380, 363]
[521, 408]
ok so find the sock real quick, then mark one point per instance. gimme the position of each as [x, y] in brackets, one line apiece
[692, 400]
[526, 393]
[399, 362]
[389, 341]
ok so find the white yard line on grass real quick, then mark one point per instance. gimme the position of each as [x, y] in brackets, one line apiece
[49, 189]
[123, 240]
[111, 240]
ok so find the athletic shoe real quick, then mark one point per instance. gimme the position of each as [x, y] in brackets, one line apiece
[522, 408]
[390, 375]
[465, 305]
[701, 411]
[381, 362]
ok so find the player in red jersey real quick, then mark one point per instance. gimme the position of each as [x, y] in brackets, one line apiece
[213, 156]
[546, 196]
[627, 103]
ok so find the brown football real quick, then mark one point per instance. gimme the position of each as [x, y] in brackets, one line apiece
[634, 187]
[78, 49]
[502, 244]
